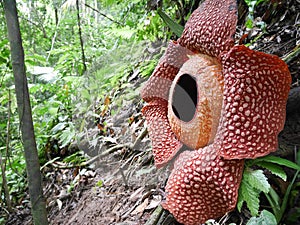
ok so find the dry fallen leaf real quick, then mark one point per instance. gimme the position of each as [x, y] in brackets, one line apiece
[137, 194]
[140, 209]
[59, 203]
[154, 202]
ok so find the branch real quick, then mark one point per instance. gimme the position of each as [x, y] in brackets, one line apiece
[38, 25]
[102, 14]
[292, 55]
[80, 36]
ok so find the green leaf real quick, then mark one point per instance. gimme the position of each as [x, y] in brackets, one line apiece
[249, 24]
[257, 179]
[274, 201]
[3, 60]
[3, 43]
[241, 197]
[254, 181]
[249, 195]
[265, 218]
[277, 160]
[53, 110]
[99, 183]
[175, 27]
[75, 158]
[124, 32]
[107, 3]
[273, 168]
[67, 136]
[286, 197]
[59, 127]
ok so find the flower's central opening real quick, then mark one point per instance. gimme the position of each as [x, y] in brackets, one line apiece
[185, 98]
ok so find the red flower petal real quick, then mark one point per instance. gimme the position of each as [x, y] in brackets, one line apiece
[160, 81]
[164, 143]
[256, 87]
[211, 27]
[202, 186]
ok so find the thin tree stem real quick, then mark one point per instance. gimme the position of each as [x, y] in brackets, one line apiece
[80, 37]
[102, 14]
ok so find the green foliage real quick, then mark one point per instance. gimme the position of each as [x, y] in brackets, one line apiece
[147, 67]
[254, 182]
[276, 160]
[175, 27]
[10, 147]
[64, 132]
[280, 212]
[4, 54]
[252, 3]
[69, 60]
[257, 179]
[273, 168]
[265, 218]
[52, 108]
[107, 80]
[250, 19]
[99, 184]
[75, 158]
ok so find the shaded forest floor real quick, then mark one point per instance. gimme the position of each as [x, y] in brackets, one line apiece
[121, 184]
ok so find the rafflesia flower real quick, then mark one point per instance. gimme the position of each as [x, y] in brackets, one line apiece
[225, 102]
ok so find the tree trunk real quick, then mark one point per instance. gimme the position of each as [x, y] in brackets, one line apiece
[38, 205]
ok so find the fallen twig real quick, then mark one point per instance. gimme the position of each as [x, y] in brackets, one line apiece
[140, 138]
[292, 55]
